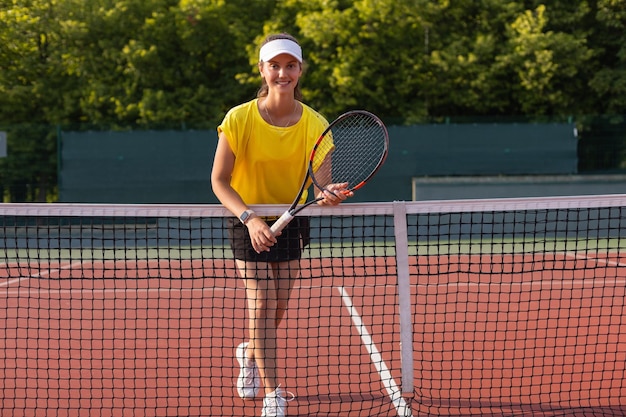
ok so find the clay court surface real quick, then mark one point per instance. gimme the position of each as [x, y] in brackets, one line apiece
[157, 338]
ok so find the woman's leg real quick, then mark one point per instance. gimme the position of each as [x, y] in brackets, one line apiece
[262, 301]
[268, 289]
[287, 273]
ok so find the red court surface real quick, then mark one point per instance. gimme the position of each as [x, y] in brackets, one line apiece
[529, 334]
[157, 339]
[544, 335]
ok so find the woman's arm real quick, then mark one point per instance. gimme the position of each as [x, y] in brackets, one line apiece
[223, 164]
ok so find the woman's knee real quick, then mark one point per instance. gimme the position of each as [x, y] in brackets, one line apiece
[264, 309]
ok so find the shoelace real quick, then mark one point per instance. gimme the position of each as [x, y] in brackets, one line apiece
[274, 406]
[291, 395]
[288, 396]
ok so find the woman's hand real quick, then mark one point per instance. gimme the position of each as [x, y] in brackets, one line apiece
[334, 194]
[260, 234]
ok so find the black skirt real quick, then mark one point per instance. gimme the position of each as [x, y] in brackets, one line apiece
[294, 238]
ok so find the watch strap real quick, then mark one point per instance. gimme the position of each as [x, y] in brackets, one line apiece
[246, 216]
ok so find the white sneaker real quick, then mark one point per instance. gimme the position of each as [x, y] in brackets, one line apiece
[249, 380]
[274, 403]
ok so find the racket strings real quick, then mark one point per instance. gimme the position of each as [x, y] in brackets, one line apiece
[360, 146]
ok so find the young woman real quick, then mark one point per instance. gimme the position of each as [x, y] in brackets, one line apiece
[261, 158]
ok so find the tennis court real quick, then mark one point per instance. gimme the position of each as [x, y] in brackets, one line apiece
[509, 307]
[163, 346]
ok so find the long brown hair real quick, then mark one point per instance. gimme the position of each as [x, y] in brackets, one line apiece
[263, 90]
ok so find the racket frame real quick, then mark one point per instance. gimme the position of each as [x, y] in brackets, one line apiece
[294, 209]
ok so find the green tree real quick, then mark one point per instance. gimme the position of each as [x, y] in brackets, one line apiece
[609, 81]
[359, 53]
[546, 65]
[173, 63]
[33, 90]
[421, 59]
[160, 62]
[464, 40]
[114, 64]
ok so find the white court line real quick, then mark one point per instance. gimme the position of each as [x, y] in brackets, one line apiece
[390, 385]
[213, 292]
[546, 283]
[577, 255]
[41, 275]
[540, 284]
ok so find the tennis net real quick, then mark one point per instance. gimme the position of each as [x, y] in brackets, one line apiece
[475, 307]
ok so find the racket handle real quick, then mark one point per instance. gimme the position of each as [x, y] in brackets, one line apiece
[281, 222]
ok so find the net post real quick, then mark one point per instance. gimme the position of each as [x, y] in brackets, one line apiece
[404, 295]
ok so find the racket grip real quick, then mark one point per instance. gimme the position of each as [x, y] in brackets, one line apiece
[281, 222]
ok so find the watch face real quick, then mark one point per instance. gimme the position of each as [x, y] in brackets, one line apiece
[244, 216]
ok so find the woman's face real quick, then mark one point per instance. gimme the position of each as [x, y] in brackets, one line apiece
[281, 73]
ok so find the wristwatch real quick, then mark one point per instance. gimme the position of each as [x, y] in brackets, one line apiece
[246, 216]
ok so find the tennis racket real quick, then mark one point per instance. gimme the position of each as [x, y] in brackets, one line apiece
[351, 150]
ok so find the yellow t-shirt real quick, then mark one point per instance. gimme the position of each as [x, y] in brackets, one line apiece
[270, 161]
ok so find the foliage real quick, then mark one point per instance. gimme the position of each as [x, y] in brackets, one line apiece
[609, 82]
[119, 64]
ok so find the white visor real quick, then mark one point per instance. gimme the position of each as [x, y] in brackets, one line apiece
[280, 46]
